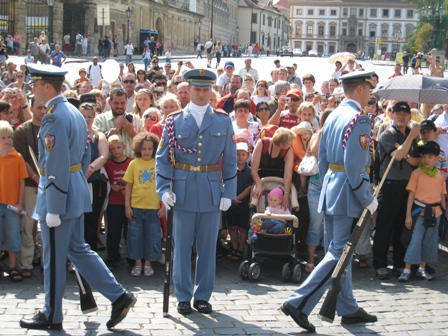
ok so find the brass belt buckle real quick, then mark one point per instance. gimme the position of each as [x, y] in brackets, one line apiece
[195, 168]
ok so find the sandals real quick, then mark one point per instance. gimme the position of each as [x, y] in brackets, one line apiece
[26, 273]
[309, 267]
[14, 275]
[237, 256]
[148, 271]
[362, 262]
[230, 254]
[136, 271]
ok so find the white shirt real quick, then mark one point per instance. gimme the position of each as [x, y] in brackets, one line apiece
[129, 49]
[222, 80]
[442, 138]
[94, 72]
[198, 112]
[130, 104]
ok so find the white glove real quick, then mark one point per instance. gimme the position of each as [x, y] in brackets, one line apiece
[372, 206]
[225, 204]
[53, 220]
[168, 199]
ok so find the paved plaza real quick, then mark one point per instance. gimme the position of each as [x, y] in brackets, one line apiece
[240, 307]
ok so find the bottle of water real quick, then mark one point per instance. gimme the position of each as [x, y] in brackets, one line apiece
[13, 208]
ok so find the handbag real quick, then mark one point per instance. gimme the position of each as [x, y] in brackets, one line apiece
[308, 166]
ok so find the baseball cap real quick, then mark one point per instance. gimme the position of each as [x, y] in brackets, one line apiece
[276, 192]
[289, 66]
[430, 147]
[302, 127]
[401, 107]
[294, 93]
[242, 146]
[87, 98]
[428, 125]
[229, 64]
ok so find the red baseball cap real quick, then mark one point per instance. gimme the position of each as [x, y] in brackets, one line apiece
[295, 93]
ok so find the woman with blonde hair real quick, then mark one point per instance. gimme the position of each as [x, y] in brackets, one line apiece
[261, 93]
[249, 82]
[168, 104]
[214, 99]
[150, 117]
[144, 99]
[20, 83]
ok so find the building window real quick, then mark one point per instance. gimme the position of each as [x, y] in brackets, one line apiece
[333, 12]
[331, 49]
[321, 11]
[298, 29]
[344, 24]
[275, 23]
[361, 12]
[408, 30]
[320, 49]
[309, 30]
[299, 11]
[344, 31]
[321, 30]
[359, 32]
[309, 47]
[254, 17]
[384, 31]
[410, 13]
[264, 17]
[269, 21]
[310, 11]
[253, 37]
[352, 31]
[372, 33]
[385, 13]
[373, 12]
[345, 11]
[352, 11]
[332, 31]
[397, 13]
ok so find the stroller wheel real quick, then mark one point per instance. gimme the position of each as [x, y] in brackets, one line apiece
[254, 271]
[286, 272]
[297, 273]
[244, 270]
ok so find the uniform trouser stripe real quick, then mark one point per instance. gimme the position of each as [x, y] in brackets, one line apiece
[322, 283]
[52, 274]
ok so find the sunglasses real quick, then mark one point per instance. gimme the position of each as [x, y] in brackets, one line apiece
[247, 80]
[141, 73]
[263, 109]
[19, 76]
[131, 81]
[298, 99]
[172, 73]
[150, 116]
[261, 85]
[176, 83]
[120, 90]
[161, 84]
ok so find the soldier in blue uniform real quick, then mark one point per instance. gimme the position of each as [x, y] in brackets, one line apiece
[63, 198]
[344, 156]
[199, 137]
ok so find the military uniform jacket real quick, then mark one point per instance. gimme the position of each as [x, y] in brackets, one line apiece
[62, 142]
[198, 191]
[345, 192]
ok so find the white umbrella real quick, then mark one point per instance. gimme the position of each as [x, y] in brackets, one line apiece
[342, 57]
[414, 88]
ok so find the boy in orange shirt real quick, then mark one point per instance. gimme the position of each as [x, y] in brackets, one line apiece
[427, 191]
[12, 179]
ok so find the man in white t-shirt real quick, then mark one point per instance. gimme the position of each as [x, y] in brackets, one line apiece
[67, 44]
[129, 50]
[223, 79]
[209, 49]
[94, 72]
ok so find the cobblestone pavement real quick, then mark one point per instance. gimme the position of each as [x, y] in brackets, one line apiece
[240, 307]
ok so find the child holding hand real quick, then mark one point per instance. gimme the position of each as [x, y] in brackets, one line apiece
[142, 206]
[275, 206]
[427, 192]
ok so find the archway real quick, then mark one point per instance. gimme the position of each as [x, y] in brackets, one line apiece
[351, 47]
[159, 28]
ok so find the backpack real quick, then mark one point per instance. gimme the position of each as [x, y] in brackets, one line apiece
[202, 47]
[209, 50]
[90, 68]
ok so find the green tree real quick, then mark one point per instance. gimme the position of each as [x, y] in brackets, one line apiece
[421, 40]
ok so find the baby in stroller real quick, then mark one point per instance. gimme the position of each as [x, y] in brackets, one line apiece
[275, 206]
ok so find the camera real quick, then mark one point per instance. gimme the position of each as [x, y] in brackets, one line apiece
[180, 63]
[328, 94]
[159, 89]
[14, 92]
[287, 99]
[129, 117]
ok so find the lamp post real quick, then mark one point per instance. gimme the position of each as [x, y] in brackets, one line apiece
[128, 15]
[199, 25]
[237, 35]
[437, 18]
[50, 4]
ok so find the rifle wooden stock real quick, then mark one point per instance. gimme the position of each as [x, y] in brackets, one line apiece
[168, 263]
[328, 309]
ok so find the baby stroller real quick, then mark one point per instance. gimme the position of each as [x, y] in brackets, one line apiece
[273, 245]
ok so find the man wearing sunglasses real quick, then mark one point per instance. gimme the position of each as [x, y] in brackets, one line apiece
[287, 118]
[128, 82]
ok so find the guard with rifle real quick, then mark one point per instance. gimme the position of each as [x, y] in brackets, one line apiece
[197, 157]
[344, 158]
[63, 198]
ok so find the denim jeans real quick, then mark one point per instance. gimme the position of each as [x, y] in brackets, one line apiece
[424, 245]
[12, 228]
[147, 62]
[89, 49]
[316, 219]
[144, 239]
[274, 226]
[128, 59]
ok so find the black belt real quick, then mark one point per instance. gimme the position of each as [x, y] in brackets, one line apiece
[396, 182]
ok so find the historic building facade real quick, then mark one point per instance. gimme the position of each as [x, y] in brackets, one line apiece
[262, 22]
[178, 23]
[331, 26]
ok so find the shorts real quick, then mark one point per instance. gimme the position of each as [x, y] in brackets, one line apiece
[238, 215]
[12, 228]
